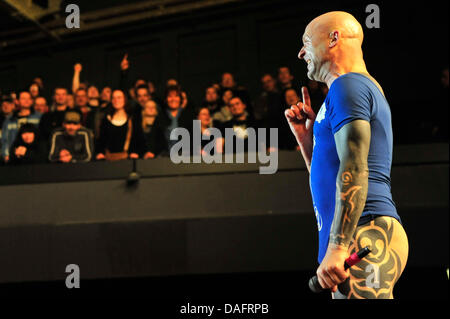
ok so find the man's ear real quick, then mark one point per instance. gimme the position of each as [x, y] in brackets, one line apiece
[334, 37]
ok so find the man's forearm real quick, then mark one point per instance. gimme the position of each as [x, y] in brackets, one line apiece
[351, 194]
[306, 149]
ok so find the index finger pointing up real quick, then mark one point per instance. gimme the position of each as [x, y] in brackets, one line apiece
[305, 94]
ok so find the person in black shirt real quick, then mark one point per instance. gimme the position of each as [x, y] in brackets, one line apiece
[173, 115]
[55, 118]
[120, 137]
[27, 148]
[152, 131]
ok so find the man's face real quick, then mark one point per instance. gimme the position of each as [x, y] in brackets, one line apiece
[237, 108]
[40, 105]
[7, 107]
[291, 97]
[71, 128]
[93, 92]
[28, 137]
[60, 96]
[211, 95]
[106, 94]
[142, 96]
[313, 52]
[81, 98]
[25, 100]
[285, 76]
[268, 83]
[227, 80]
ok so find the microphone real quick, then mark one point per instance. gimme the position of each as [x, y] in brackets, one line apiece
[354, 258]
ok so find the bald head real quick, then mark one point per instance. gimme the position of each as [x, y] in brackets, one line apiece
[332, 44]
[343, 22]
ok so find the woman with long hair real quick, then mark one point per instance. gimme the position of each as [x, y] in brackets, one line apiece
[118, 138]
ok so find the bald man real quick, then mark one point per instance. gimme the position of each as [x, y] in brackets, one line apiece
[347, 148]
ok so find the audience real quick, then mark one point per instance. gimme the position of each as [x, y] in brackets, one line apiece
[134, 122]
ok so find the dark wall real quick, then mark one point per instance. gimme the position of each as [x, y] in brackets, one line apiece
[197, 218]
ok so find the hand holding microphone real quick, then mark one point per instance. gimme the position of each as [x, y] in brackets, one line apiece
[355, 258]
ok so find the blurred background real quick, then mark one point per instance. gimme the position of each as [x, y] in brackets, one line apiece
[209, 229]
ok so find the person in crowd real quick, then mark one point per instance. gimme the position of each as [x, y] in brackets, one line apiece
[93, 96]
[34, 90]
[105, 96]
[81, 104]
[25, 114]
[174, 115]
[96, 115]
[7, 109]
[218, 111]
[240, 122]
[71, 143]
[206, 122]
[27, 148]
[228, 83]
[40, 105]
[125, 84]
[269, 99]
[70, 101]
[152, 130]
[226, 96]
[54, 119]
[120, 137]
[285, 78]
[142, 97]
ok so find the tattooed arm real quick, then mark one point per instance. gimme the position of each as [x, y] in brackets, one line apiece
[352, 144]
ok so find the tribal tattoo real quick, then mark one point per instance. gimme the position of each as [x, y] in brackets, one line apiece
[374, 277]
[350, 200]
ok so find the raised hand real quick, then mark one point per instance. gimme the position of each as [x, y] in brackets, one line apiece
[124, 64]
[78, 67]
[301, 118]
